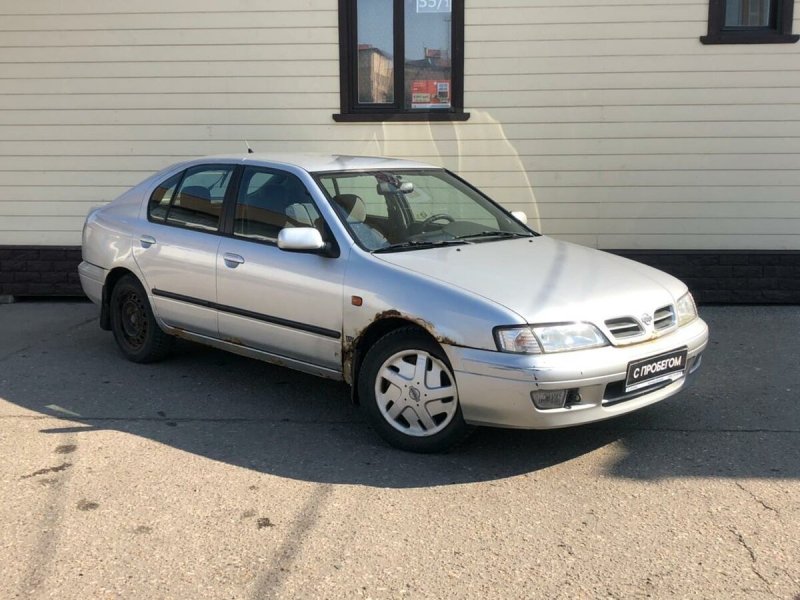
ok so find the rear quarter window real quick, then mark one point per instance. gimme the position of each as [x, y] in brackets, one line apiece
[161, 197]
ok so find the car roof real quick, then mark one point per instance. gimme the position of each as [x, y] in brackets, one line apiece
[315, 163]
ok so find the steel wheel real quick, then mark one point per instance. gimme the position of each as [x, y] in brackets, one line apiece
[416, 394]
[135, 328]
[133, 319]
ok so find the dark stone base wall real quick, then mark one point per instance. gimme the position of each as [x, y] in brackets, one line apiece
[730, 277]
[726, 277]
[40, 271]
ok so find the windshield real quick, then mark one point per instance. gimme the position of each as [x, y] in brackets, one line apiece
[389, 211]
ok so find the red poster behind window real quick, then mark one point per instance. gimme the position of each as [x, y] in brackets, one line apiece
[430, 93]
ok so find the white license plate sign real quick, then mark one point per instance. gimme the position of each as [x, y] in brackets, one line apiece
[669, 366]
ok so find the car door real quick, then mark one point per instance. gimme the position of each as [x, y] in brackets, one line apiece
[282, 302]
[176, 247]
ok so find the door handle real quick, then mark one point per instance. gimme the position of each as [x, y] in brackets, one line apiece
[232, 260]
[147, 240]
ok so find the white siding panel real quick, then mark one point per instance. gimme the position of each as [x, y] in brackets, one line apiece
[609, 124]
[169, 85]
[161, 101]
[306, 45]
[91, 8]
[716, 169]
[581, 15]
[641, 179]
[134, 116]
[186, 21]
[589, 31]
[665, 226]
[643, 197]
[52, 208]
[667, 210]
[526, 149]
[51, 223]
[153, 72]
[503, 77]
[539, 134]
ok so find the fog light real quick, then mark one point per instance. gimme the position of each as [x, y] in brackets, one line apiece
[547, 399]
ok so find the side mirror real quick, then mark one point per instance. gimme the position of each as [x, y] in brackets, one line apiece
[300, 239]
[520, 216]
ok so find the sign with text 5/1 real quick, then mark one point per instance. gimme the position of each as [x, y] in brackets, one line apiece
[434, 6]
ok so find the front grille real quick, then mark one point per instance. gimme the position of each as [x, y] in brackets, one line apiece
[624, 328]
[664, 318]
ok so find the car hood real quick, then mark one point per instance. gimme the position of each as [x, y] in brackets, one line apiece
[546, 280]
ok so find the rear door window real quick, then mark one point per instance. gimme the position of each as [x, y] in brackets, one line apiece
[195, 202]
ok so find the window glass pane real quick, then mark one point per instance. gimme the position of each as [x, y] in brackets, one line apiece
[363, 186]
[269, 201]
[257, 180]
[421, 206]
[198, 203]
[748, 13]
[434, 196]
[428, 49]
[161, 197]
[375, 40]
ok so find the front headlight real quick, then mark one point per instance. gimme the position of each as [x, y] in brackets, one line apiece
[535, 339]
[687, 311]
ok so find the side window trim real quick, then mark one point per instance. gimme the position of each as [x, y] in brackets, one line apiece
[174, 195]
[229, 202]
[163, 221]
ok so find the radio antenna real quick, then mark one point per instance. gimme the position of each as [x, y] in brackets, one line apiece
[249, 149]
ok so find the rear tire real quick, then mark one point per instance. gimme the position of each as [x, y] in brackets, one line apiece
[135, 329]
[408, 389]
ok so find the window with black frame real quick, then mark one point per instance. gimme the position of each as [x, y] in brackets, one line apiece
[401, 60]
[750, 22]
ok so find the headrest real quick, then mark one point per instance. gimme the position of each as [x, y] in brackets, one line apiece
[353, 206]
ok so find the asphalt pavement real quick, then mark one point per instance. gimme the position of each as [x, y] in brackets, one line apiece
[213, 476]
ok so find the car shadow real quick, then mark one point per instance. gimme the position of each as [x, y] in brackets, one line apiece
[273, 420]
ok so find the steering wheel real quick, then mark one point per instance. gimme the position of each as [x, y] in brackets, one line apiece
[430, 220]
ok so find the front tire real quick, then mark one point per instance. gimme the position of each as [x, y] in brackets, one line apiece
[135, 329]
[409, 392]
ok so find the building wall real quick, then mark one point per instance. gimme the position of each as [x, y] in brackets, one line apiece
[610, 124]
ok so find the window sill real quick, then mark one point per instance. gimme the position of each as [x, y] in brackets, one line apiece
[379, 117]
[749, 37]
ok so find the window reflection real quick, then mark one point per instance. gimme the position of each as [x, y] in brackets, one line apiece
[375, 44]
[748, 13]
[428, 51]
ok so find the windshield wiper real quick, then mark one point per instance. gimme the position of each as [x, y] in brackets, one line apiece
[494, 234]
[419, 245]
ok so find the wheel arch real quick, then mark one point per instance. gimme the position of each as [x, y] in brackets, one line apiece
[356, 349]
[112, 278]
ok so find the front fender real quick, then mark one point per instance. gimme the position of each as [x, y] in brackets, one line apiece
[453, 316]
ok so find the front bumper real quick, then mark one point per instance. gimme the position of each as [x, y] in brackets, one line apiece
[495, 388]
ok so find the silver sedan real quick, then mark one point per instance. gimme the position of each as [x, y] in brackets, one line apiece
[441, 309]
